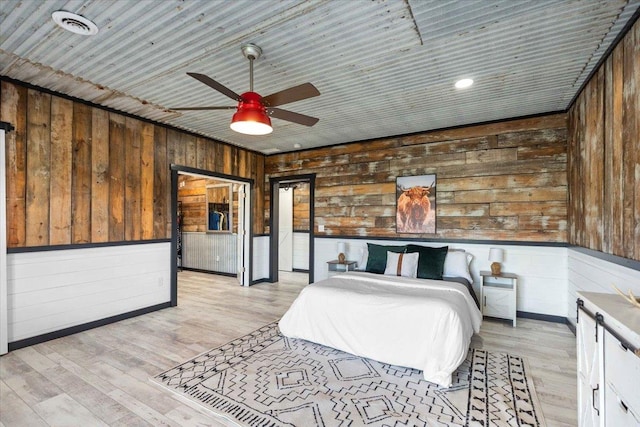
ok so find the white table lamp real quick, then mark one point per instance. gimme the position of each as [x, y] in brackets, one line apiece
[496, 256]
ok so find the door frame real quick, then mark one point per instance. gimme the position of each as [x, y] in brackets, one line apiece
[175, 170]
[4, 291]
[274, 217]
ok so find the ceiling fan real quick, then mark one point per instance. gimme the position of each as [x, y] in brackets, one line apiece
[253, 110]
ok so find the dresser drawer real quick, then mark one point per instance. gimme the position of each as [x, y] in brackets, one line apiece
[617, 412]
[622, 373]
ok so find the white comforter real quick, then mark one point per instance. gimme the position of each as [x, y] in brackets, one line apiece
[417, 323]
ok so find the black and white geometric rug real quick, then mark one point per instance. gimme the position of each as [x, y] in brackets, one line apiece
[265, 379]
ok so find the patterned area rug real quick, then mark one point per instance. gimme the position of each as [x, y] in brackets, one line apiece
[265, 379]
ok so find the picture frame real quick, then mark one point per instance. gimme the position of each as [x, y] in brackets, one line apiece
[416, 204]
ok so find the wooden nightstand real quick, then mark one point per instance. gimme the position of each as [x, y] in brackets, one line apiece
[498, 295]
[335, 267]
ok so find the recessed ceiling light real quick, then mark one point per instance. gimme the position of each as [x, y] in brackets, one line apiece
[464, 83]
[75, 23]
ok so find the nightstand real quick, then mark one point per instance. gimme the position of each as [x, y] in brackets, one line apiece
[335, 267]
[498, 295]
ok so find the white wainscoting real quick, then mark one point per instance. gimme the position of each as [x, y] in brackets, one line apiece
[260, 257]
[210, 251]
[53, 290]
[542, 271]
[591, 274]
[300, 250]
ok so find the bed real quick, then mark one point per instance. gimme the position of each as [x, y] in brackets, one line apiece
[417, 323]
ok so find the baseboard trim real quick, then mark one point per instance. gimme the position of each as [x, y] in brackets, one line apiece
[15, 345]
[200, 270]
[544, 317]
[263, 280]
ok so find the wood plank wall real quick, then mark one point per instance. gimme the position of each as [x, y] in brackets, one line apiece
[301, 207]
[193, 195]
[80, 174]
[604, 155]
[503, 181]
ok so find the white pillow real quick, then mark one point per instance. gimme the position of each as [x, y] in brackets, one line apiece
[456, 264]
[408, 268]
[362, 262]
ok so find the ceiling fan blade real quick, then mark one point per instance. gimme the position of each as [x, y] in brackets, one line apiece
[293, 94]
[290, 116]
[215, 85]
[202, 108]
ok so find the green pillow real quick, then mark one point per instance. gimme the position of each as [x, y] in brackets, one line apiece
[430, 261]
[377, 260]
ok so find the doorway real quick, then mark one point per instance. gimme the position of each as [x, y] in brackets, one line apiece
[211, 224]
[292, 225]
[208, 224]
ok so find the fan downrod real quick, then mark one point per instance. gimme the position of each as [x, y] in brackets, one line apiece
[251, 52]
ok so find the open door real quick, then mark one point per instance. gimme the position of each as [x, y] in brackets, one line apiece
[285, 230]
[243, 236]
[239, 235]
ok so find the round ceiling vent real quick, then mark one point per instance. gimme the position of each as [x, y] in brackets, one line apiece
[74, 23]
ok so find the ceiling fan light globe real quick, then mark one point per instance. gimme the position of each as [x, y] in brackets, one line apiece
[251, 122]
[251, 128]
[251, 117]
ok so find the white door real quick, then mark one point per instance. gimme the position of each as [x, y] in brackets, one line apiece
[588, 372]
[285, 227]
[3, 251]
[242, 279]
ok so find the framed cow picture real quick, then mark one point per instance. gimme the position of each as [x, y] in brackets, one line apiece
[416, 204]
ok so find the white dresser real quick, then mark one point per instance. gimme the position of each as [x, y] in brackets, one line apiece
[608, 334]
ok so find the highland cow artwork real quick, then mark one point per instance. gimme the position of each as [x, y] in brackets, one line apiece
[416, 204]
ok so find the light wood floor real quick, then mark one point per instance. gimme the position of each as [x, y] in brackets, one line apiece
[101, 377]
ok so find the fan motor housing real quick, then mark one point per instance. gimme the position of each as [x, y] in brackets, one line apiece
[251, 100]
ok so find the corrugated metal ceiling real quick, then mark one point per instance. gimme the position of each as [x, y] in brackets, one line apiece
[383, 67]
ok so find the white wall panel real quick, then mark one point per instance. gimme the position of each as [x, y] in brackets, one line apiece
[210, 251]
[591, 274]
[301, 250]
[542, 271]
[260, 257]
[52, 290]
